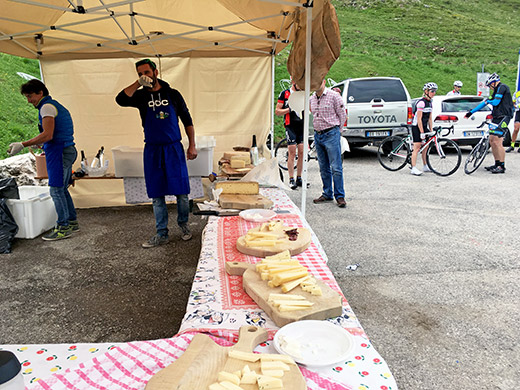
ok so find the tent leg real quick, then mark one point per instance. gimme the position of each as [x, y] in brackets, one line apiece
[308, 41]
[272, 105]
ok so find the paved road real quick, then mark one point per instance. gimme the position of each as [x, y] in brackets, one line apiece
[437, 289]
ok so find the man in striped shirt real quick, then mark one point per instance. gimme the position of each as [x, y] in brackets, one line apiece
[329, 115]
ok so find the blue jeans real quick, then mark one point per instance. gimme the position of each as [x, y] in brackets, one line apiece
[328, 148]
[60, 195]
[161, 213]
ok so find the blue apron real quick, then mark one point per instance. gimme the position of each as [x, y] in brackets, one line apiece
[165, 169]
[54, 160]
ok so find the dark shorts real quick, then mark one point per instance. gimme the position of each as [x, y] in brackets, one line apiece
[501, 128]
[416, 134]
[294, 135]
[517, 117]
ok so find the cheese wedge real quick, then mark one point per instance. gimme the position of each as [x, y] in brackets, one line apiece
[276, 365]
[248, 378]
[230, 386]
[216, 386]
[286, 287]
[274, 357]
[235, 163]
[229, 377]
[285, 255]
[238, 187]
[247, 356]
[268, 382]
[285, 277]
[244, 156]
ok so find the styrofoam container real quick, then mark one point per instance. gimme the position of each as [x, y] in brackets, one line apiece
[128, 161]
[34, 212]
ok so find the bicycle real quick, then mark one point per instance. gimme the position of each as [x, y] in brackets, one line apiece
[395, 152]
[478, 154]
[281, 153]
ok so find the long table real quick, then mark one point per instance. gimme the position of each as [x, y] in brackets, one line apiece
[217, 306]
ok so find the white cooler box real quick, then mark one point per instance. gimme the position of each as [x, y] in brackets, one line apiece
[128, 161]
[34, 212]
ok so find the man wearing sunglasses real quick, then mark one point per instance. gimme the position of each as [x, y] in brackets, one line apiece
[165, 170]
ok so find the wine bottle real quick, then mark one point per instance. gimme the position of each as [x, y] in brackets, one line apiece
[83, 158]
[254, 152]
[101, 156]
[95, 161]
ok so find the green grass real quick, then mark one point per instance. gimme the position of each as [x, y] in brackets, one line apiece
[416, 40]
[18, 119]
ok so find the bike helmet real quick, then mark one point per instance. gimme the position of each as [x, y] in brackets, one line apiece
[492, 78]
[457, 83]
[430, 87]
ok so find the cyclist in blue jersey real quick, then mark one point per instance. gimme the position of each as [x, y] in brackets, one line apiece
[516, 101]
[502, 113]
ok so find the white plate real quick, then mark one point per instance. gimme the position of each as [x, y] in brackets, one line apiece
[321, 343]
[257, 215]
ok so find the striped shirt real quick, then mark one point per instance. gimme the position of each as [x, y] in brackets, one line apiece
[328, 110]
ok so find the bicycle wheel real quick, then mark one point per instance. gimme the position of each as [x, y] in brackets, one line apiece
[281, 153]
[445, 159]
[476, 157]
[393, 153]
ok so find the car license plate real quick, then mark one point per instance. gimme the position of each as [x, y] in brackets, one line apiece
[473, 133]
[378, 133]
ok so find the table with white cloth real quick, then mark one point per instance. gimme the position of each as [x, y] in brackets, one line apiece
[217, 306]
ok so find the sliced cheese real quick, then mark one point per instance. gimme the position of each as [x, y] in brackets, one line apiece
[294, 297]
[274, 357]
[275, 365]
[238, 374]
[230, 386]
[248, 378]
[247, 356]
[273, 373]
[253, 235]
[291, 308]
[281, 302]
[235, 163]
[227, 376]
[253, 243]
[286, 287]
[216, 386]
[238, 187]
[268, 382]
[285, 277]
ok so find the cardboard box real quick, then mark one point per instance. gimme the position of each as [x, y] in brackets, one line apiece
[34, 212]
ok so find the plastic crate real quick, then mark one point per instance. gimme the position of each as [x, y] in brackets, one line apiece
[128, 161]
[34, 212]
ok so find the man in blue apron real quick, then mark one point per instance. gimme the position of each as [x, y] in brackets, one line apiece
[165, 170]
[57, 136]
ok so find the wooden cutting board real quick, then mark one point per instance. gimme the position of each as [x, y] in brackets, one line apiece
[199, 365]
[325, 306]
[295, 247]
[244, 202]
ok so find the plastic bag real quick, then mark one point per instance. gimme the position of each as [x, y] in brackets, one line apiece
[8, 227]
[267, 174]
[9, 188]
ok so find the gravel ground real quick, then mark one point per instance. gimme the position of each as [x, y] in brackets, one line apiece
[436, 290]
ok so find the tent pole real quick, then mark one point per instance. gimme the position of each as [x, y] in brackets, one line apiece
[308, 37]
[272, 106]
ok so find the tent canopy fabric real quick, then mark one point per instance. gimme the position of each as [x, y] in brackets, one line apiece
[78, 29]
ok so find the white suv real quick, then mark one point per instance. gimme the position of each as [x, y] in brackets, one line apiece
[450, 110]
[376, 108]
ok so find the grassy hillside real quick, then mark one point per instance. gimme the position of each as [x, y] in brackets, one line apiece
[416, 40]
[17, 118]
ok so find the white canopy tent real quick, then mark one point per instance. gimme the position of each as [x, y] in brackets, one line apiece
[218, 53]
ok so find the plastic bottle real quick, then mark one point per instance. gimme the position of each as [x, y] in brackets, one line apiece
[254, 152]
[10, 372]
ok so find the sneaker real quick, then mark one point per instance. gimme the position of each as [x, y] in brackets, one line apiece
[299, 182]
[499, 169]
[58, 233]
[426, 169]
[292, 184]
[518, 150]
[341, 203]
[322, 199]
[186, 234]
[510, 149]
[416, 171]
[491, 167]
[74, 226]
[155, 241]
